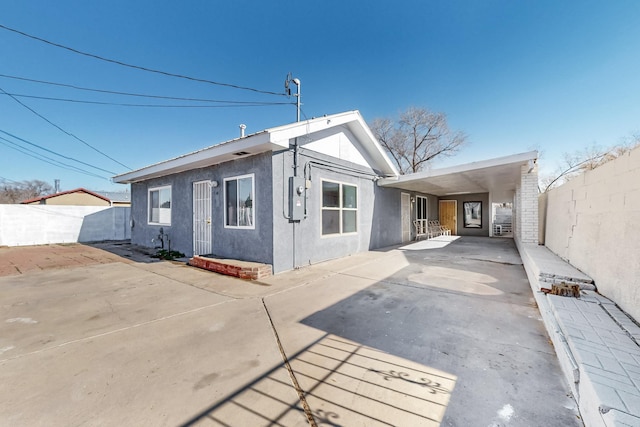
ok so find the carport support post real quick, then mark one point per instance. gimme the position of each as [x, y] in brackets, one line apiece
[490, 207]
[527, 204]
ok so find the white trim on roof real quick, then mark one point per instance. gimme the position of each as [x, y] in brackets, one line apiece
[273, 139]
[482, 164]
[494, 175]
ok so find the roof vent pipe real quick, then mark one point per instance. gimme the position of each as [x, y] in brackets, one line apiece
[242, 128]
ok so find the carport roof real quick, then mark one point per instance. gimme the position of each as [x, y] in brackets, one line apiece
[493, 175]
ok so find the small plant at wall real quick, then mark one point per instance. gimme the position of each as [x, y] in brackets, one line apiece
[168, 255]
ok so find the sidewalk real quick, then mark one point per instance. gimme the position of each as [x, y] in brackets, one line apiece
[596, 343]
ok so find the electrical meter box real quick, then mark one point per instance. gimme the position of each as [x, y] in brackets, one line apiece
[297, 191]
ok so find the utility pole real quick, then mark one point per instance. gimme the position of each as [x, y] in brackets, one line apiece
[297, 95]
[298, 84]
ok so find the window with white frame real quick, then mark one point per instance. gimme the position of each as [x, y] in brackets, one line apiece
[339, 208]
[160, 205]
[239, 201]
[422, 212]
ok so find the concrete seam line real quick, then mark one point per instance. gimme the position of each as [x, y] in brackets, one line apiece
[137, 325]
[294, 380]
[617, 321]
[490, 260]
[300, 285]
[185, 283]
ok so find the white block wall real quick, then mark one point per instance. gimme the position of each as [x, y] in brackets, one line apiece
[526, 206]
[23, 225]
[593, 221]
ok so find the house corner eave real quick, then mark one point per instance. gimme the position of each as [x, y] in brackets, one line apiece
[213, 155]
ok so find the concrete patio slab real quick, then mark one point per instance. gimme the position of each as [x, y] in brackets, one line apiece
[47, 309]
[159, 373]
[396, 337]
[23, 259]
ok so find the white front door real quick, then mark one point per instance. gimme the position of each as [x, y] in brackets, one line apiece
[405, 216]
[202, 218]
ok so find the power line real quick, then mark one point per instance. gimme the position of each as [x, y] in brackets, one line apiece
[46, 159]
[175, 98]
[120, 104]
[53, 152]
[151, 70]
[63, 131]
[305, 116]
[3, 179]
[59, 163]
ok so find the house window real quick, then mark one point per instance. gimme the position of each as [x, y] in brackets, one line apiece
[339, 208]
[160, 205]
[239, 201]
[422, 212]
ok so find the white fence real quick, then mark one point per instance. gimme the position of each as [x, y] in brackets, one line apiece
[22, 225]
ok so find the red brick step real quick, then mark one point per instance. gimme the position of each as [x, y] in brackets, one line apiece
[232, 267]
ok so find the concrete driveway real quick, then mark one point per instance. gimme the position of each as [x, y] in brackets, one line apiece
[438, 332]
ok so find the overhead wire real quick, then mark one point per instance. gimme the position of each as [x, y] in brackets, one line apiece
[55, 153]
[43, 158]
[138, 67]
[64, 131]
[114, 92]
[3, 179]
[120, 104]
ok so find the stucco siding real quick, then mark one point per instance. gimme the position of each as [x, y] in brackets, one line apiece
[302, 243]
[486, 213]
[386, 225]
[247, 244]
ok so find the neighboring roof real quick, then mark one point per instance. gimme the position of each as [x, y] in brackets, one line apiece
[273, 139]
[77, 190]
[116, 196]
[498, 174]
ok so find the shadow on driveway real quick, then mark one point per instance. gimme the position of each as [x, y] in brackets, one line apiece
[342, 383]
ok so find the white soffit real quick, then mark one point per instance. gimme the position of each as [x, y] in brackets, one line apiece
[498, 174]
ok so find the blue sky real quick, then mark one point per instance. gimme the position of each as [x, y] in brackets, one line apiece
[513, 75]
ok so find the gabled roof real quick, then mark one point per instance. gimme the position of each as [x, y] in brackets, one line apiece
[273, 139]
[498, 174]
[77, 190]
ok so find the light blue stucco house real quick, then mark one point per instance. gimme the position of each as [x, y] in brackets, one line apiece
[299, 194]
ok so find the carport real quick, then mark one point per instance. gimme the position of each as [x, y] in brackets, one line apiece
[468, 195]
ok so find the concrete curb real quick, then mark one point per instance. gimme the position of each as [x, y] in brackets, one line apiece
[596, 343]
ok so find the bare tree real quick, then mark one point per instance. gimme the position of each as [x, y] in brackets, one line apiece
[417, 137]
[573, 164]
[16, 192]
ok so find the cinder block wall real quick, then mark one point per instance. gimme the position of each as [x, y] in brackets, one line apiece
[593, 221]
